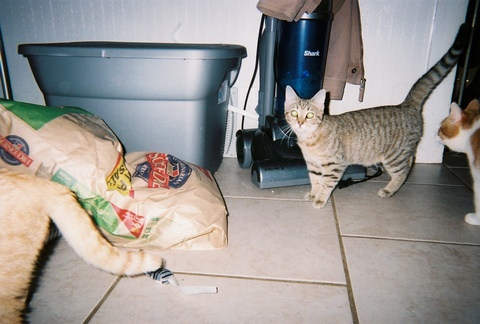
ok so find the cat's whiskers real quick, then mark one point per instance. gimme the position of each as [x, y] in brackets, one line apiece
[287, 132]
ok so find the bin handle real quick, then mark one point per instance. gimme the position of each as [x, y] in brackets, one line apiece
[233, 75]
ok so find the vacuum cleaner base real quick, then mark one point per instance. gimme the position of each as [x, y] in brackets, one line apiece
[282, 173]
[292, 172]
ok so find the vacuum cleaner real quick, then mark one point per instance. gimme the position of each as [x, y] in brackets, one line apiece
[295, 54]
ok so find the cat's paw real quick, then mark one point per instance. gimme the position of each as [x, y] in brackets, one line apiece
[384, 193]
[309, 196]
[319, 203]
[472, 219]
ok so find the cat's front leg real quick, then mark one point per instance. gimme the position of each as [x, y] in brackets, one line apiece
[320, 203]
[329, 181]
[309, 196]
[316, 179]
[321, 197]
[472, 219]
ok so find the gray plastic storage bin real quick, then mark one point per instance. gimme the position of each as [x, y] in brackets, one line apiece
[168, 98]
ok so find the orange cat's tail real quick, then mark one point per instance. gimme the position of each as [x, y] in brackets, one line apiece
[80, 232]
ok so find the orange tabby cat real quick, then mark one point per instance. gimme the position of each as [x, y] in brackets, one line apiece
[460, 131]
[26, 205]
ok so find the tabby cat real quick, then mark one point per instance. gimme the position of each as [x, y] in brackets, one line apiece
[386, 134]
[26, 205]
[460, 131]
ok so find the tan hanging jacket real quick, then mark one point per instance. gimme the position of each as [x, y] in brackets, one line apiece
[345, 49]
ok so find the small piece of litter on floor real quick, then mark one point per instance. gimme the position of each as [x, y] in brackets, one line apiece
[166, 276]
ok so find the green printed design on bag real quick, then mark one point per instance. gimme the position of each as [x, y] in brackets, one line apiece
[36, 116]
[99, 208]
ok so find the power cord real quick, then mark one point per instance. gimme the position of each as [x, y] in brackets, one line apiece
[348, 182]
[257, 58]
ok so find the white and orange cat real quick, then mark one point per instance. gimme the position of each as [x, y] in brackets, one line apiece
[27, 204]
[460, 132]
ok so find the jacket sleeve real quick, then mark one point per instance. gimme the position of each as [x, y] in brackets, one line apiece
[345, 51]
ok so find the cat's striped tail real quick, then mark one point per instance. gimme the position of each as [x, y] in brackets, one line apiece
[424, 87]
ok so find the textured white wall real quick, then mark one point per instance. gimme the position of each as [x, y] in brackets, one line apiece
[402, 39]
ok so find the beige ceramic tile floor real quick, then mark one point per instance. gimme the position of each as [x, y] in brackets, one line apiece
[406, 259]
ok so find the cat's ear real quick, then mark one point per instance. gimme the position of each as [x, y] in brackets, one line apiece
[456, 113]
[473, 107]
[319, 98]
[290, 96]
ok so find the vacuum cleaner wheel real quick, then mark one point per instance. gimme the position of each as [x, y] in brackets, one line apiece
[244, 147]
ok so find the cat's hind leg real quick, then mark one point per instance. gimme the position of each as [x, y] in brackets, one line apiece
[399, 169]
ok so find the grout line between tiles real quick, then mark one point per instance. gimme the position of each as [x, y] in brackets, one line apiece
[301, 200]
[463, 184]
[351, 297]
[279, 280]
[263, 198]
[371, 181]
[449, 168]
[435, 184]
[408, 240]
[100, 303]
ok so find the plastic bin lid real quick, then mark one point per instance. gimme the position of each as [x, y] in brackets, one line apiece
[135, 50]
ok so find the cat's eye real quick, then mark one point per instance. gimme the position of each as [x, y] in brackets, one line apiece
[310, 115]
[294, 113]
